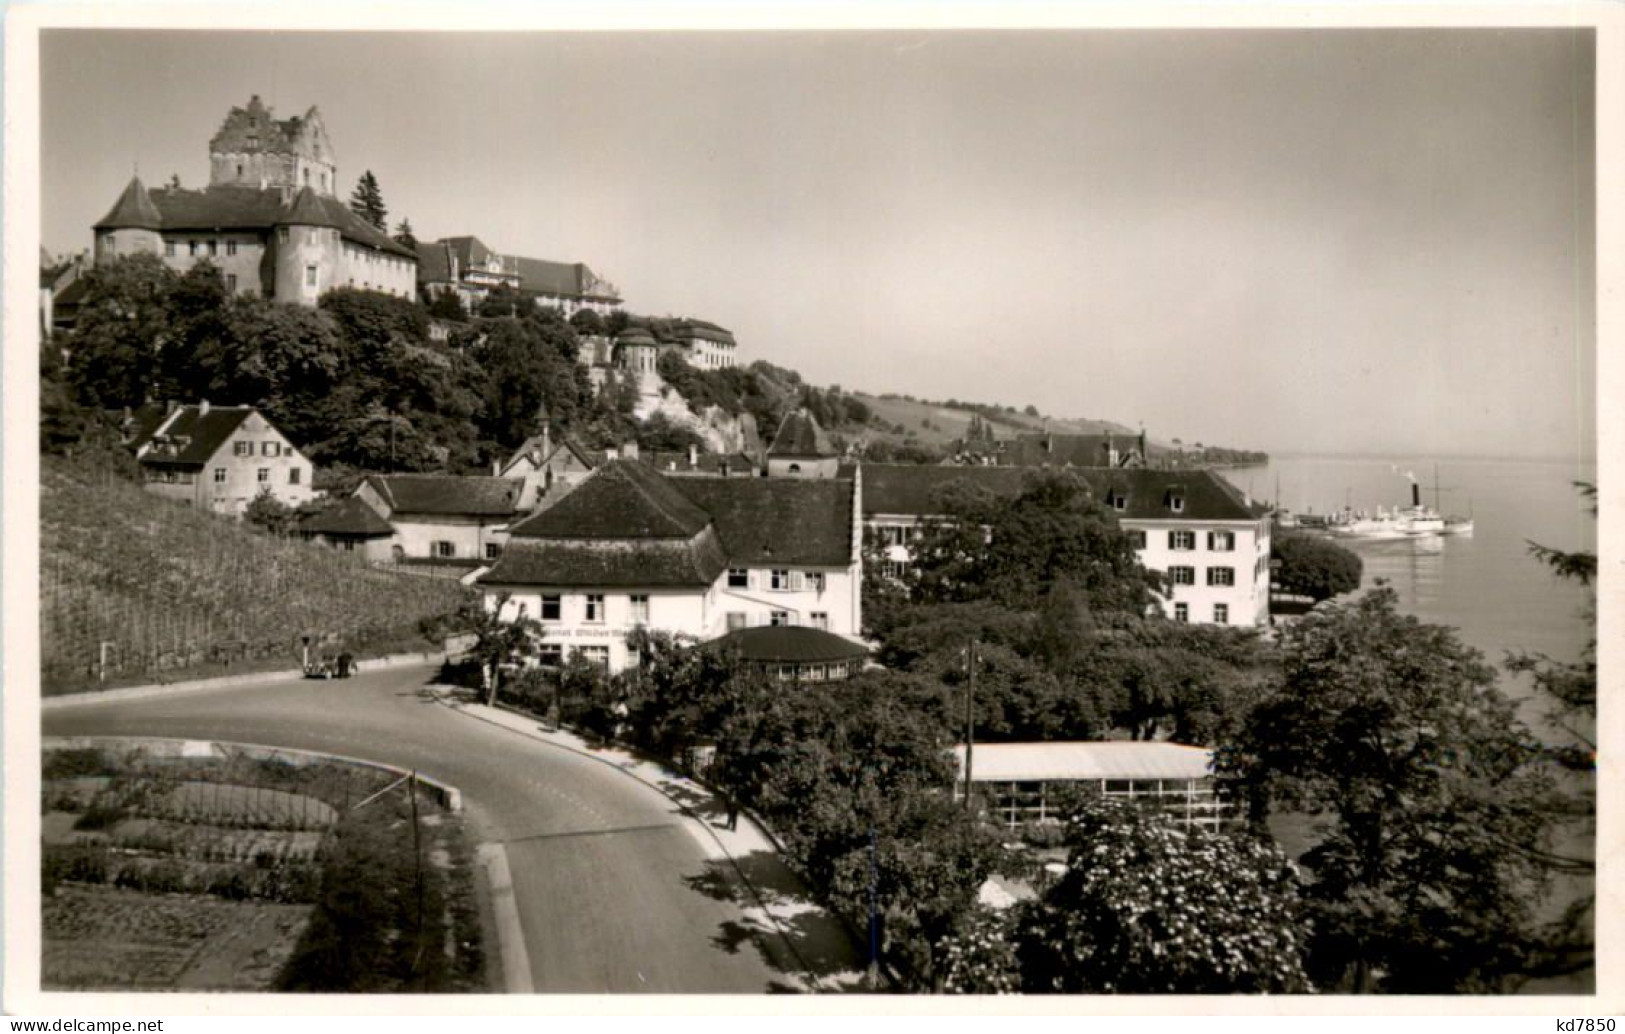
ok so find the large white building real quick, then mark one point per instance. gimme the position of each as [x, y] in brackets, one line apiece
[1191, 525]
[699, 557]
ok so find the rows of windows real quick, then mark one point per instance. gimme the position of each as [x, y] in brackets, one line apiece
[1221, 613]
[594, 608]
[1217, 541]
[819, 619]
[262, 475]
[779, 580]
[245, 448]
[208, 246]
[1216, 576]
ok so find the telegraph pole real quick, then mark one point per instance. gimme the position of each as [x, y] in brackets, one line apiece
[970, 715]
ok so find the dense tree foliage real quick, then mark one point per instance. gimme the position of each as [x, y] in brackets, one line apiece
[1314, 567]
[1432, 815]
[367, 201]
[1146, 907]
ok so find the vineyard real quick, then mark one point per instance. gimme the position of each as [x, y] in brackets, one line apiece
[155, 590]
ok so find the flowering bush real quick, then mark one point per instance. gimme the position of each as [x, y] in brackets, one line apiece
[980, 959]
[1147, 907]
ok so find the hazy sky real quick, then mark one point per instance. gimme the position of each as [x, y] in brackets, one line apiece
[1335, 240]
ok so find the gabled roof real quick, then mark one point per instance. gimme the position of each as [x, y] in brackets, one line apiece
[800, 435]
[1147, 494]
[1069, 450]
[434, 261]
[133, 210]
[787, 521]
[349, 516]
[448, 494]
[623, 499]
[656, 563]
[794, 644]
[233, 207]
[192, 437]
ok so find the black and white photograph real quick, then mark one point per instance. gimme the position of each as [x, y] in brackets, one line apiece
[1093, 511]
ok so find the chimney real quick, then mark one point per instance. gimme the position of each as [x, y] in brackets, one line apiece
[203, 407]
[693, 455]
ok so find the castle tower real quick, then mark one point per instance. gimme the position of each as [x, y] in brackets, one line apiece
[306, 243]
[255, 149]
[132, 226]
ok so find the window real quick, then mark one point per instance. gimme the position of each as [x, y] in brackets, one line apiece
[597, 656]
[819, 619]
[293, 475]
[270, 449]
[893, 536]
[231, 247]
[779, 618]
[231, 283]
[442, 548]
[736, 620]
[1221, 613]
[1221, 576]
[214, 247]
[307, 176]
[1182, 612]
[220, 475]
[348, 545]
[263, 475]
[1136, 539]
[1175, 500]
[595, 609]
[640, 609]
[786, 581]
[169, 249]
[552, 608]
[1221, 541]
[738, 578]
[1182, 575]
[492, 550]
[107, 242]
[310, 276]
[1182, 540]
[550, 655]
[815, 581]
[893, 569]
[191, 247]
[239, 170]
[242, 448]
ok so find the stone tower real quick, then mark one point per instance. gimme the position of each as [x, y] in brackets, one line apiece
[255, 149]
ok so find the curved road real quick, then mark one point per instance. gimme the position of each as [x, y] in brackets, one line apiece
[609, 877]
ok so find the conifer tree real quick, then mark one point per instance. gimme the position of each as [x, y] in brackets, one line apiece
[404, 235]
[367, 201]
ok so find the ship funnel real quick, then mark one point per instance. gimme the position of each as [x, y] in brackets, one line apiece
[1416, 493]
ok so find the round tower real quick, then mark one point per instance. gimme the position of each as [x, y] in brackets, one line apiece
[133, 225]
[305, 245]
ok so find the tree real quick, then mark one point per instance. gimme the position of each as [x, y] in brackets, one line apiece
[1145, 907]
[123, 325]
[1432, 813]
[367, 201]
[447, 305]
[1314, 567]
[499, 643]
[268, 512]
[404, 235]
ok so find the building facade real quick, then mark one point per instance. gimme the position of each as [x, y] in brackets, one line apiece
[469, 268]
[269, 218]
[217, 458]
[441, 517]
[694, 556]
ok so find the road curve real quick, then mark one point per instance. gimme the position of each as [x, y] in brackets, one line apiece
[609, 877]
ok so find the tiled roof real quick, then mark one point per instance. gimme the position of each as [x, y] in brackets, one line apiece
[229, 207]
[800, 435]
[1146, 494]
[448, 495]
[434, 261]
[198, 435]
[350, 516]
[656, 564]
[1068, 450]
[1106, 759]
[563, 278]
[787, 521]
[693, 328]
[133, 210]
[789, 644]
[635, 335]
[704, 463]
[623, 499]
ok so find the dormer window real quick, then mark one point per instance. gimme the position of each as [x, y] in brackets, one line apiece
[1175, 500]
[1117, 499]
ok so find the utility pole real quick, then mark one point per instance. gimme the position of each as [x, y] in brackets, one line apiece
[970, 715]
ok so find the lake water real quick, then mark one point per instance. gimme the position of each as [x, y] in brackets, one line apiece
[1487, 586]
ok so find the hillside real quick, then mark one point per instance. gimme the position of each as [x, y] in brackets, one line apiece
[171, 589]
[939, 424]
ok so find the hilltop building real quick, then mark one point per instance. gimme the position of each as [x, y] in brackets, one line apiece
[216, 458]
[268, 218]
[1192, 525]
[468, 267]
[801, 449]
[694, 556]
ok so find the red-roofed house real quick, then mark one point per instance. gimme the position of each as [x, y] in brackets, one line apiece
[217, 457]
[695, 556]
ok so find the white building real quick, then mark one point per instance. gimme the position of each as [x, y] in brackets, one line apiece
[694, 556]
[1191, 525]
[1018, 783]
[217, 458]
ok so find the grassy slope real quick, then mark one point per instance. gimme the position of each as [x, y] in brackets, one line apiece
[949, 424]
[175, 590]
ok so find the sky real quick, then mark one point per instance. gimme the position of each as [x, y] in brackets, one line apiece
[1351, 241]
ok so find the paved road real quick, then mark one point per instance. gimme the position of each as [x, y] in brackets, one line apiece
[609, 877]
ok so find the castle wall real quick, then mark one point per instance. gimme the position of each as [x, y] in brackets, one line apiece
[111, 244]
[241, 257]
[306, 261]
[373, 270]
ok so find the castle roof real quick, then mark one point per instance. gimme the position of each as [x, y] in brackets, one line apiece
[231, 207]
[800, 435]
[133, 210]
[256, 129]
